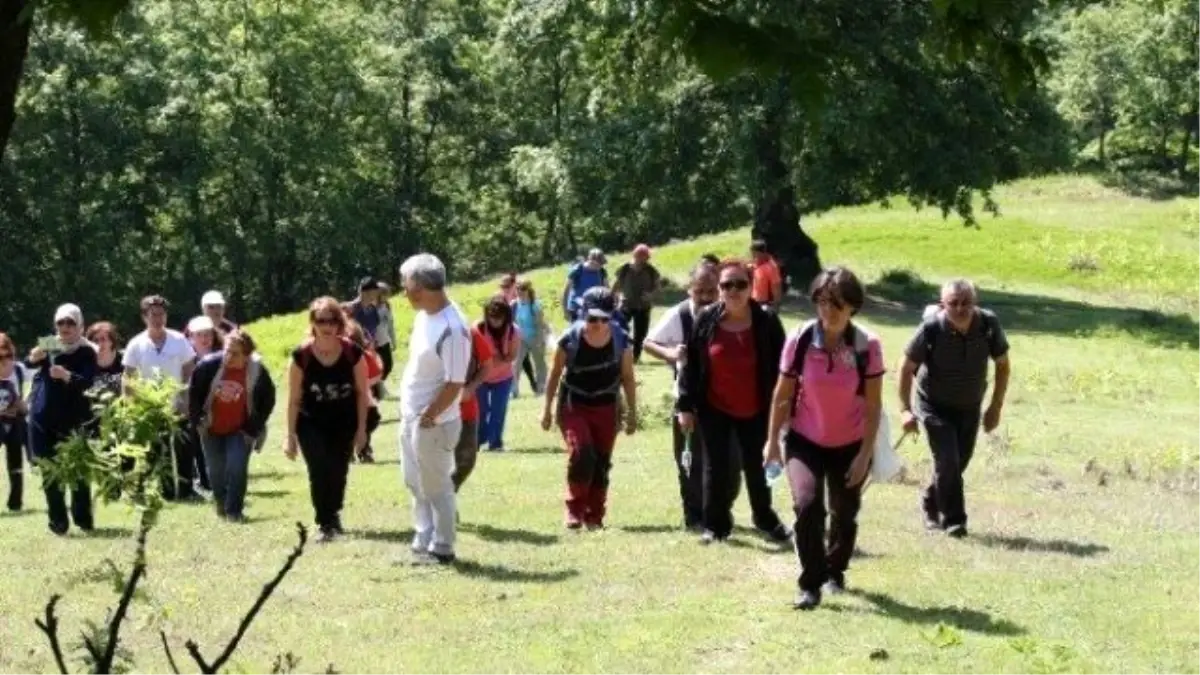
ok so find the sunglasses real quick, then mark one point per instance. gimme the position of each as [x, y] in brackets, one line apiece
[598, 319]
[65, 322]
[326, 321]
[735, 285]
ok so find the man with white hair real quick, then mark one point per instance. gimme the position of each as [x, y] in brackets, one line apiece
[948, 356]
[439, 351]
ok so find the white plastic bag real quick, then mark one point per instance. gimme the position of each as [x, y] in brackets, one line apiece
[886, 464]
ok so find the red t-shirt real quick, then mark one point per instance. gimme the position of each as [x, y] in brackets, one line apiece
[733, 373]
[374, 364]
[481, 347]
[229, 403]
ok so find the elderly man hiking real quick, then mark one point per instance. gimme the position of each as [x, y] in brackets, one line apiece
[439, 352]
[949, 356]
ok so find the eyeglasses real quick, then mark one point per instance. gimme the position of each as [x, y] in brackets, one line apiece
[734, 285]
[65, 322]
[598, 319]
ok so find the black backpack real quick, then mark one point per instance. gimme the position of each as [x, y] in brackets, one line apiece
[852, 336]
[686, 322]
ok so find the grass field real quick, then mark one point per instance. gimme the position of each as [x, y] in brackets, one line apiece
[1083, 554]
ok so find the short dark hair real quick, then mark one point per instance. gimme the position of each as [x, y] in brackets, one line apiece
[758, 246]
[240, 337]
[841, 284]
[154, 301]
[710, 259]
[99, 328]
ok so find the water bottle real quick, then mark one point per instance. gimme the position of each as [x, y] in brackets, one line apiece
[774, 470]
[685, 457]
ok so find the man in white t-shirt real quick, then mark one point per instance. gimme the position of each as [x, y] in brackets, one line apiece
[439, 351]
[160, 352]
[668, 341]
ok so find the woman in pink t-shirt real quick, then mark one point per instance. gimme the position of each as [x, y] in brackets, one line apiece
[830, 380]
[493, 395]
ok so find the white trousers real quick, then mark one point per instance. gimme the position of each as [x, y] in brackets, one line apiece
[427, 458]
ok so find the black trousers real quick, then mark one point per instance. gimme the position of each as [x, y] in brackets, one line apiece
[177, 441]
[691, 483]
[327, 454]
[951, 434]
[42, 442]
[814, 471]
[14, 448]
[199, 465]
[527, 366]
[385, 355]
[719, 431]
[640, 318]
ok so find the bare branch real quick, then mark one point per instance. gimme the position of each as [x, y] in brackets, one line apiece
[49, 626]
[105, 661]
[194, 649]
[167, 648]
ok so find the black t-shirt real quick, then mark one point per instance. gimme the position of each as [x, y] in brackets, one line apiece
[330, 400]
[593, 371]
[108, 378]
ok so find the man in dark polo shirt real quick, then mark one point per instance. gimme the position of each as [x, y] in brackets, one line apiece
[949, 356]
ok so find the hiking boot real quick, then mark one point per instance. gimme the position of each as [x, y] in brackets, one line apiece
[780, 533]
[806, 600]
[235, 518]
[574, 522]
[836, 585]
[594, 526]
[956, 531]
[444, 558]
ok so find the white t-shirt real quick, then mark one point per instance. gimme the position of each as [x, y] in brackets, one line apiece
[150, 361]
[668, 332]
[439, 351]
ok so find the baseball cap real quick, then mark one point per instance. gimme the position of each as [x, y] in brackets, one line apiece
[598, 301]
[596, 254]
[200, 323]
[69, 311]
[212, 298]
[368, 284]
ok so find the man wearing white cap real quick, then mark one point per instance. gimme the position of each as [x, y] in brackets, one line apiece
[213, 304]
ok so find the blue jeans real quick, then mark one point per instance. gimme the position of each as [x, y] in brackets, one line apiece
[493, 409]
[228, 460]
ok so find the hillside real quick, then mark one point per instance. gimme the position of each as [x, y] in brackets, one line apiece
[1083, 554]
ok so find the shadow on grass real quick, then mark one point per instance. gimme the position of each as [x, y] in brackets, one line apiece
[958, 617]
[268, 494]
[502, 535]
[493, 572]
[1155, 185]
[386, 536]
[1071, 548]
[17, 514]
[650, 529]
[899, 297]
[110, 533]
[538, 450]
[272, 474]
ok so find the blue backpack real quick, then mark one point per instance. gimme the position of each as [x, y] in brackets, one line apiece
[574, 337]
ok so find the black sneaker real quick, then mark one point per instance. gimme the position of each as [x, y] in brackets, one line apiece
[780, 533]
[60, 528]
[444, 558]
[709, 537]
[337, 526]
[327, 535]
[806, 600]
[836, 585]
[956, 531]
[220, 509]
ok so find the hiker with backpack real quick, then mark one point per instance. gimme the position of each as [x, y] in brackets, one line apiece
[327, 410]
[637, 282]
[725, 390]
[593, 364]
[581, 277]
[829, 385]
[501, 330]
[668, 341]
[768, 289]
[12, 419]
[948, 357]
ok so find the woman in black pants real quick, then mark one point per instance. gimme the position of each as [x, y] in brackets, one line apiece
[60, 407]
[726, 385]
[327, 410]
[12, 419]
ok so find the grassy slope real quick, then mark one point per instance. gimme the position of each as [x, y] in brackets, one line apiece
[1084, 507]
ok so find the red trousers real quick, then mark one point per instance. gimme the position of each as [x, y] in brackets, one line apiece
[590, 432]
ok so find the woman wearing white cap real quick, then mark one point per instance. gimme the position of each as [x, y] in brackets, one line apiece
[205, 339]
[60, 406]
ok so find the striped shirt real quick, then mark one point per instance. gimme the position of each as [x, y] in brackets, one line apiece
[953, 369]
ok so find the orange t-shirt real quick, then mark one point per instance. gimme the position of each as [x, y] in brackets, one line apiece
[481, 347]
[766, 276]
[229, 403]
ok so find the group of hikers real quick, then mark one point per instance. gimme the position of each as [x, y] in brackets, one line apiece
[750, 398]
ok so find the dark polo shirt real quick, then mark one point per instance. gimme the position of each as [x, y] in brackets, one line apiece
[953, 374]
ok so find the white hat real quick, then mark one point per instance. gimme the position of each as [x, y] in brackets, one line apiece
[200, 323]
[212, 298]
[69, 311]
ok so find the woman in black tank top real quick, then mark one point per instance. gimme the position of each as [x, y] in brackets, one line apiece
[327, 410]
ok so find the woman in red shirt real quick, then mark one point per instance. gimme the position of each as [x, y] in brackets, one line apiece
[726, 386]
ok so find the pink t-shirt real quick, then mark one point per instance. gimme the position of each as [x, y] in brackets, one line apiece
[502, 369]
[829, 411]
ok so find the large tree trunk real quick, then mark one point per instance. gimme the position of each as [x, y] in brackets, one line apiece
[14, 47]
[777, 220]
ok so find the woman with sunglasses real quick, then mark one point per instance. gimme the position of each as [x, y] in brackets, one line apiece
[830, 379]
[729, 373]
[12, 419]
[327, 410]
[594, 363]
[60, 407]
[494, 394]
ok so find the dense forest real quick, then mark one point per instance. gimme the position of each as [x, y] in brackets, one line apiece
[280, 149]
